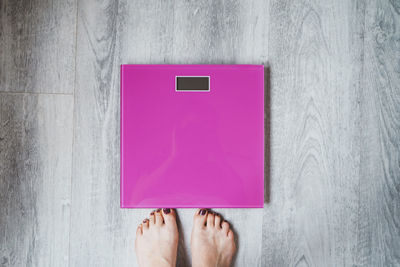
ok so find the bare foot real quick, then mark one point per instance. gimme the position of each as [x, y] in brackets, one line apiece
[212, 241]
[157, 239]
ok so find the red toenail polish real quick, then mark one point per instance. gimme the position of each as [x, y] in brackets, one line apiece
[158, 210]
[152, 213]
[166, 211]
[203, 212]
[145, 220]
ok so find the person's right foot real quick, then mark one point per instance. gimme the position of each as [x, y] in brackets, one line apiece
[212, 241]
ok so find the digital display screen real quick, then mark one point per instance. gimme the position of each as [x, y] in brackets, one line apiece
[192, 83]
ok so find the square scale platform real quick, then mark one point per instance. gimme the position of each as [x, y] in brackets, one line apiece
[192, 136]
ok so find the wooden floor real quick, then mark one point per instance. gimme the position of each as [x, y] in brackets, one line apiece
[332, 117]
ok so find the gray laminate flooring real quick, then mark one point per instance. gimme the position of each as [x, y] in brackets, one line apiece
[332, 126]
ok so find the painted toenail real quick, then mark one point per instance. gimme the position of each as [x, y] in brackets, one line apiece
[166, 211]
[158, 210]
[145, 220]
[152, 213]
[203, 212]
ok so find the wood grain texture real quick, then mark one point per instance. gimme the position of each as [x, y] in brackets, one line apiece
[148, 32]
[335, 134]
[101, 233]
[315, 55]
[37, 45]
[379, 211]
[35, 177]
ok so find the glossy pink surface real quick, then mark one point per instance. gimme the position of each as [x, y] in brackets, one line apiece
[192, 149]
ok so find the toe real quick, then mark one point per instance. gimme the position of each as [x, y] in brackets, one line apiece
[225, 226]
[200, 217]
[145, 224]
[159, 217]
[152, 218]
[217, 221]
[169, 216]
[232, 244]
[139, 230]
[210, 219]
[230, 234]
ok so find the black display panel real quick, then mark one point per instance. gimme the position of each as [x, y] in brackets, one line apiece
[192, 83]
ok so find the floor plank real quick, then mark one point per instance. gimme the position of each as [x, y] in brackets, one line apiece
[146, 32]
[101, 233]
[315, 54]
[37, 45]
[379, 216]
[35, 177]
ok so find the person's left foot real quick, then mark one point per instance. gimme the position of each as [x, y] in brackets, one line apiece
[157, 239]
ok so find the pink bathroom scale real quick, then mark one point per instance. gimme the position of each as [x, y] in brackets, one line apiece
[192, 136]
